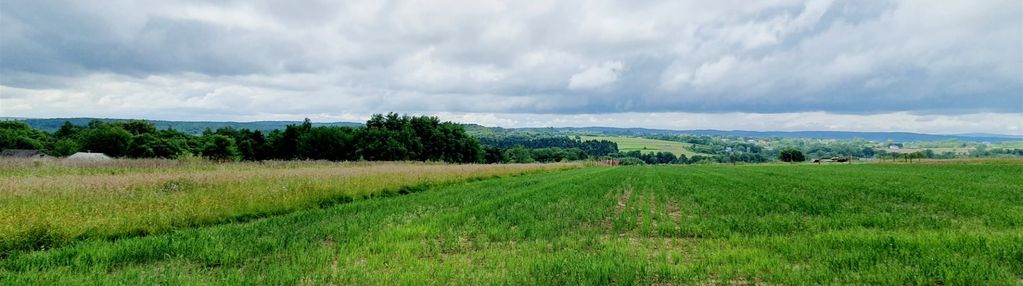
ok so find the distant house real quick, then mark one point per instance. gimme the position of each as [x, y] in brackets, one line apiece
[895, 146]
[85, 156]
[22, 153]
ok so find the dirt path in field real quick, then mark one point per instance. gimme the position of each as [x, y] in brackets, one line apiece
[653, 212]
[675, 213]
[623, 200]
[622, 203]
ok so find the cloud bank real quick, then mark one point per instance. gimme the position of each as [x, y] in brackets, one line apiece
[961, 61]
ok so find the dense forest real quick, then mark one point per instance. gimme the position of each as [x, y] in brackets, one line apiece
[390, 137]
[590, 147]
[385, 137]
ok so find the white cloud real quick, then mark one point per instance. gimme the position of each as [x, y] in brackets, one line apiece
[596, 76]
[250, 59]
[709, 73]
[756, 34]
[132, 98]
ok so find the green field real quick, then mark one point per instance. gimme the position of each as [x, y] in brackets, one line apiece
[775, 224]
[645, 145]
[51, 202]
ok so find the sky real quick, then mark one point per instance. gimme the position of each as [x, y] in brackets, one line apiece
[920, 66]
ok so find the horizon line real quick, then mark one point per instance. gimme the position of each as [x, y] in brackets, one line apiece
[969, 134]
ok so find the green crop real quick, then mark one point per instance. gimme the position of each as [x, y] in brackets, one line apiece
[956, 224]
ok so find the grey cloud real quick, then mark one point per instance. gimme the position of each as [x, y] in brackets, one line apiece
[517, 57]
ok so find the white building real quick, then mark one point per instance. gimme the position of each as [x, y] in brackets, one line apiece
[85, 156]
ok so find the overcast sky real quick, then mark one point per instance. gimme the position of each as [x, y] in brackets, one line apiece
[924, 66]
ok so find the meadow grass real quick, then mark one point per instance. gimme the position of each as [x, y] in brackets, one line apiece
[646, 145]
[757, 224]
[51, 203]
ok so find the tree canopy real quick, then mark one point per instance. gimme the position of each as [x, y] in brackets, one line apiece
[389, 137]
[791, 155]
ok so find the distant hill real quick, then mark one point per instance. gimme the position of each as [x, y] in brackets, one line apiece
[191, 127]
[841, 135]
[196, 127]
[1017, 137]
[837, 135]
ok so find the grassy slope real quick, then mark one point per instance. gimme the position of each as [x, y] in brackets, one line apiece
[51, 204]
[646, 145]
[888, 224]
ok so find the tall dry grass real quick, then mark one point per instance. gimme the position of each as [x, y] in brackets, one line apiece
[47, 203]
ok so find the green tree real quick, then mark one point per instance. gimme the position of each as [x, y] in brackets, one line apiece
[328, 143]
[626, 161]
[174, 143]
[109, 140]
[221, 148]
[665, 157]
[285, 144]
[138, 127]
[518, 154]
[18, 135]
[457, 146]
[394, 137]
[67, 130]
[154, 146]
[142, 146]
[14, 140]
[682, 159]
[791, 155]
[377, 144]
[492, 155]
[247, 149]
[64, 147]
[868, 152]
[260, 149]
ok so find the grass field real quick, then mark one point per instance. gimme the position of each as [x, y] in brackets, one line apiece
[646, 145]
[48, 203]
[775, 224]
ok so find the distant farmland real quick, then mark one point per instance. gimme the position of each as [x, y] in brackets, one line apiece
[645, 145]
[951, 223]
[939, 150]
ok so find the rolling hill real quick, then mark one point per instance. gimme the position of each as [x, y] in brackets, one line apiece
[196, 127]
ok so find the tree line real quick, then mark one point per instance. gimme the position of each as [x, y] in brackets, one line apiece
[528, 149]
[548, 148]
[590, 147]
[390, 137]
[394, 137]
